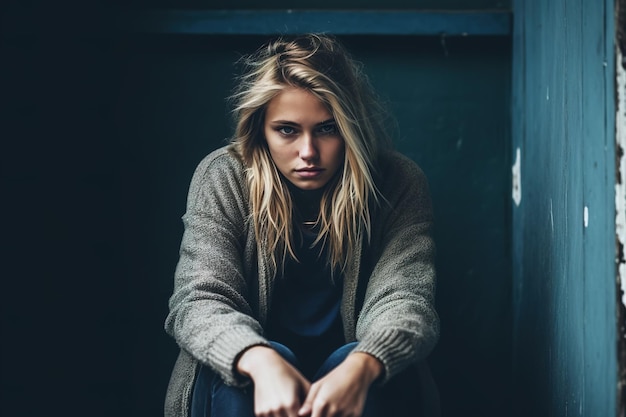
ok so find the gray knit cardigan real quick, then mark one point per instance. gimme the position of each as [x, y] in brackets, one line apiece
[223, 284]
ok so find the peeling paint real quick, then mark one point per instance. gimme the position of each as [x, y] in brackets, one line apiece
[586, 216]
[517, 178]
[620, 199]
[620, 186]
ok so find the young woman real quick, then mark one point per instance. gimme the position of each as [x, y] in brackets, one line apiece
[305, 285]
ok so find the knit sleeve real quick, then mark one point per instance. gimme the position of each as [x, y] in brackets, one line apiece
[210, 313]
[398, 323]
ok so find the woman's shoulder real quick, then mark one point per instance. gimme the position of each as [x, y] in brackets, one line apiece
[403, 184]
[219, 176]
[219, 160]
[221, 165]
[399, 169]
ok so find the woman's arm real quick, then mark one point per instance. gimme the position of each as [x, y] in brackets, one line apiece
[210, 313]
[398, 323]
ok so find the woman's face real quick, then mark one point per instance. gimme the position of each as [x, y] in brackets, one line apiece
[303, 138]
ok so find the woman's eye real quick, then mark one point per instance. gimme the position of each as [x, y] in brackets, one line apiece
[286, 130]
[329, 129]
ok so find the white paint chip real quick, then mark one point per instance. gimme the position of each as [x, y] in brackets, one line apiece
[620, 186]
[586, 216]
[551, 217]
[517, 178]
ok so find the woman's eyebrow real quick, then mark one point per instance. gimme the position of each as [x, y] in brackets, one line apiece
[284, 122]
[291, 123]
[326, 122]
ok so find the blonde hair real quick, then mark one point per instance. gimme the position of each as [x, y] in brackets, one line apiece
[320, 65]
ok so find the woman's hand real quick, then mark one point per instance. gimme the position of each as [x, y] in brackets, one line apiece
[343, 391]
[279, 388]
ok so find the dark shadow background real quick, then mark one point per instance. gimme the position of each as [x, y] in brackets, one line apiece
[100, 134]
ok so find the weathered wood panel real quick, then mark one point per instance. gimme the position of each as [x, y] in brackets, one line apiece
[563, 228]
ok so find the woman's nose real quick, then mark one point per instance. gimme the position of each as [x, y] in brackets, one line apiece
[308, 149]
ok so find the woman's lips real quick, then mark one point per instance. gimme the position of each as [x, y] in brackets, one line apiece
[309, 172]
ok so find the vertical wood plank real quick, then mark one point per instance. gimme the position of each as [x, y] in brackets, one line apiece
[563, 231]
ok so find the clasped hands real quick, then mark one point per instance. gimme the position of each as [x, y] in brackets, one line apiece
[280, 390]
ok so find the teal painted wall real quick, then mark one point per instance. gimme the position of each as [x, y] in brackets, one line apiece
[564, 303]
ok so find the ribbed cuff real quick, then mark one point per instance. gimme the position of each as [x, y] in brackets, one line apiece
[227, 348]
[393, 347]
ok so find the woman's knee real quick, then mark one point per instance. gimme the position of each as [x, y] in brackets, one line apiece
[286, 353]
[334, 359]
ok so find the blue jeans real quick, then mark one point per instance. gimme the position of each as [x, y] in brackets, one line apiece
[212, 397]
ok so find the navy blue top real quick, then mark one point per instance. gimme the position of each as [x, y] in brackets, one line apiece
[304, 314]
[308, 297]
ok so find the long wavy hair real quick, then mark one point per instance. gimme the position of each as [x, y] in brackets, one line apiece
[322, 66]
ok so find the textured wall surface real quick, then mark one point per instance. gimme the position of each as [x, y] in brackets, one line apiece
[564, 288]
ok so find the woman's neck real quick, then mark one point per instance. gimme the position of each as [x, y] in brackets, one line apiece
[306, 204]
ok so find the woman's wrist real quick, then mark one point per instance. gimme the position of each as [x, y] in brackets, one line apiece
[254, 357]
[370, 366]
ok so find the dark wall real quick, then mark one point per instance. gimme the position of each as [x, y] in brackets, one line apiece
[100, 138]
[76, 242]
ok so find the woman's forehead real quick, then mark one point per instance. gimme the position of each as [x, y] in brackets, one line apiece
[297, 105]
